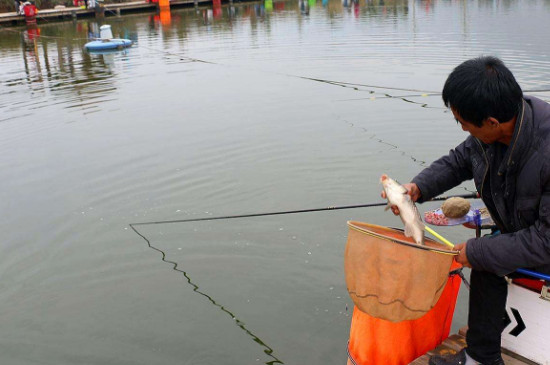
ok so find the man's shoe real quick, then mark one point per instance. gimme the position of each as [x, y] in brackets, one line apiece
[459, 358]
[498, 361]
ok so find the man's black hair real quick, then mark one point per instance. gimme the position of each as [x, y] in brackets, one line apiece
[481, 88]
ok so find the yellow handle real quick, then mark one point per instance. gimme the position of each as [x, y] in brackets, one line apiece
[439, 237]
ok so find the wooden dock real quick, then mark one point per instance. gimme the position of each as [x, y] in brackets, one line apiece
[108, 10]
[457, 342]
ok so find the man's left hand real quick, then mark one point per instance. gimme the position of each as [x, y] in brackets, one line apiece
[461, 258]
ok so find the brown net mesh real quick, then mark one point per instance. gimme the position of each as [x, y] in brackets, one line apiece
[389, 276]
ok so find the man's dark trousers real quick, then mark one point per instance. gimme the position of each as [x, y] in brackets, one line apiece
[486, 318]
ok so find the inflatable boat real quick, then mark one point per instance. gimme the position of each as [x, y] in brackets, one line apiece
[109, 44]
[106, 42]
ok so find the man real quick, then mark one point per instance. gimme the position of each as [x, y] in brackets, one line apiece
[508, 156]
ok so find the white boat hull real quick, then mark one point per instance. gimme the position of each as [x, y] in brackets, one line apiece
[532, 338]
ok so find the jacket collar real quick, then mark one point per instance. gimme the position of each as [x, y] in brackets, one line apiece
[519, 147]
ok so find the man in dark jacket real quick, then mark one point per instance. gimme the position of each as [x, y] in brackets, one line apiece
[508, 156]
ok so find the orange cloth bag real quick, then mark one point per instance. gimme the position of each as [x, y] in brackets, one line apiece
[377, 341]
[406, 286]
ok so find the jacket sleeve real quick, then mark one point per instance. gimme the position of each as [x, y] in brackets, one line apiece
[526, 248]
[446, 172]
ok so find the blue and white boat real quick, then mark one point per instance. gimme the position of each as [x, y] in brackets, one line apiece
[110, 44]
[107, 42]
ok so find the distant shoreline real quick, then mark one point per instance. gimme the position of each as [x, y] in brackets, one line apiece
[112, 9]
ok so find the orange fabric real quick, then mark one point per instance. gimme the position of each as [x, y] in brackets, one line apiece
[377, 341]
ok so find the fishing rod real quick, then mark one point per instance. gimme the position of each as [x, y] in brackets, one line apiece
[465, 196]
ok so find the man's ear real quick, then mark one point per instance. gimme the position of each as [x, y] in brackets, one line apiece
[493, 122]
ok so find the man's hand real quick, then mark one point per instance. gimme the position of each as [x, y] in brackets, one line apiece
[412, 190]
[461, 258]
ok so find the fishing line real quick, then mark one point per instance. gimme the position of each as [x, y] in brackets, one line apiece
[381, 141]
[355, 87]
[388, 96]
[267, 349]
[345, 84]
[373, 136]
[182, 58]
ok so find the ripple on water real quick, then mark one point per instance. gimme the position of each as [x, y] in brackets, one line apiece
[257, 110]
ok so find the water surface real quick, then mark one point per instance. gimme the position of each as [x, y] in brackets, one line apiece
[255, 107]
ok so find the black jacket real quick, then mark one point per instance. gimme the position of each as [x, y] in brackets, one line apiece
[514, 182]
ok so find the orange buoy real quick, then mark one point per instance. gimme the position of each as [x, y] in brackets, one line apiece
[164, 4]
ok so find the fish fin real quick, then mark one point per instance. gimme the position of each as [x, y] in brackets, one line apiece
[420, 241]
[408, 231]
[387, 207]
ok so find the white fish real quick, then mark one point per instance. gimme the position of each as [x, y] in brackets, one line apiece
[397, 195]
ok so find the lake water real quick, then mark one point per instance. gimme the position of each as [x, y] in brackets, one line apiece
[255, 107]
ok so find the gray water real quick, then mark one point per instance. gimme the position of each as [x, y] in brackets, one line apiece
[256, 107]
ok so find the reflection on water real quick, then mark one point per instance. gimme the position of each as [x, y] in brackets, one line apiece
[53, 58]
[232, 108]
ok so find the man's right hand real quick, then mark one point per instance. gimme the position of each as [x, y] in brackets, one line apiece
[412, 190]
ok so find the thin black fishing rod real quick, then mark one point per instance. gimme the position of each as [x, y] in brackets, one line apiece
[465, 196]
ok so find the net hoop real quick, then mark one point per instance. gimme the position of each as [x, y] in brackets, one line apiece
[430, 244]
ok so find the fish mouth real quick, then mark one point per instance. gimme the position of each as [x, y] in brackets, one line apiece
[383, 178]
